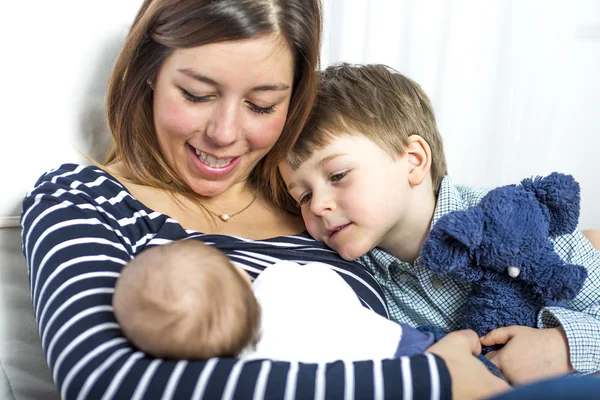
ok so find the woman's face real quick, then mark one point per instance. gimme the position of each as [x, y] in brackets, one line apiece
[219, 108]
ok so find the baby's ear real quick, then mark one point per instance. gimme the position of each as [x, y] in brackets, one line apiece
[450, 239]
[419, 159]
[559, 195]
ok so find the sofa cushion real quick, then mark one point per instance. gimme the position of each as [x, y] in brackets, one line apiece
[24, 373]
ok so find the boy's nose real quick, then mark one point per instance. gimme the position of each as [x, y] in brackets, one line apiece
[223, 129]
[322, 204]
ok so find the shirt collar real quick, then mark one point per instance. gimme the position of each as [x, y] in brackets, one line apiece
[449, 200]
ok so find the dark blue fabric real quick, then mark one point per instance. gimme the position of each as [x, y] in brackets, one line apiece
[566, 387]
[438, 334]
[413, 341]
[510, 228]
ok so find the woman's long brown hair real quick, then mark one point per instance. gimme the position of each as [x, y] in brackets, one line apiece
[162, 26]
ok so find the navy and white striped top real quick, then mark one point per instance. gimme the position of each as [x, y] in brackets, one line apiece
[80, 226]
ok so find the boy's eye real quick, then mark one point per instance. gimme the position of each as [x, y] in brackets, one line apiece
[261, 110]
[194, 99]
[338, 177]
[305, 198]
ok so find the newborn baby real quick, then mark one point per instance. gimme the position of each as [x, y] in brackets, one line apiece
[186, 300]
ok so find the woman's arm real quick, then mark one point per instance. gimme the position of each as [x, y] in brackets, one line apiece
[75, 247]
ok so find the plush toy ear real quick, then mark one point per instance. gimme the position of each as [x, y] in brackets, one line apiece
[450, 239]
[560, 195]
[464, 226]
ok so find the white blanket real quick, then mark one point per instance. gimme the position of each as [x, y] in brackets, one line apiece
[310, 314]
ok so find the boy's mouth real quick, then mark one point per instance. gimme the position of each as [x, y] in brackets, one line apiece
[336, 230]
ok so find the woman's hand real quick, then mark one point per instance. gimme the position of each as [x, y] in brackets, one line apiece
[529, 354]
[470, 377]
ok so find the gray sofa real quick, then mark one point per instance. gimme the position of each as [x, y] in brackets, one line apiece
[24, 373]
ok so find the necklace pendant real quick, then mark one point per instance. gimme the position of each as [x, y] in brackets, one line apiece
[225, 217]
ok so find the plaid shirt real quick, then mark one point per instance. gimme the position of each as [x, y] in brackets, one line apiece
[417, 296]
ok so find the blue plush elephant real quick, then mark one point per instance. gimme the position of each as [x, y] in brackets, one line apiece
[502, 248]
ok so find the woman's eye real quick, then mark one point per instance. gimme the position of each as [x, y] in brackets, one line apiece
[194, 99]
[338, 177]
[261, 110]
[305, 198]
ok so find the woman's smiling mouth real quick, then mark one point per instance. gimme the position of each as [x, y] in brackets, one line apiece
[211, 166]
[212, 161]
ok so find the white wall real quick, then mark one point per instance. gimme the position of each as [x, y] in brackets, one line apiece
[514, 82]
[56, 58]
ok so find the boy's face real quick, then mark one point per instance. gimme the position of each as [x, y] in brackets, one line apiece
[353, 195]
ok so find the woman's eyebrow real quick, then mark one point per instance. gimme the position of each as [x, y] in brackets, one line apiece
[203, 78]
[198, 76]
[276, 87]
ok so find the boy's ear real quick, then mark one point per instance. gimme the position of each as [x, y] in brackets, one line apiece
[419, 159]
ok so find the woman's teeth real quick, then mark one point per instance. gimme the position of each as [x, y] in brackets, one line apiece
[211, 161]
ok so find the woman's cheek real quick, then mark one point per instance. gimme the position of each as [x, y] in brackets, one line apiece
[267, 130]
[177, 119]
[275, 128]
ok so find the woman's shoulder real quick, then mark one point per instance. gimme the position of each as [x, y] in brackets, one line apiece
[79, 202]
[75, 191]
[73, 176]
[85, 186]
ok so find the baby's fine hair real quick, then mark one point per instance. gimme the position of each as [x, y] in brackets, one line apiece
[374, 101]
[186, 300]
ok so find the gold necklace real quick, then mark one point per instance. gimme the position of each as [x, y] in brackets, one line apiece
[227, 216]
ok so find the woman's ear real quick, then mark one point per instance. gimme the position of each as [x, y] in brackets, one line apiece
[418, 153]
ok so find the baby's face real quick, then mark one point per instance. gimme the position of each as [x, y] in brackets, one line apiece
[352, 194]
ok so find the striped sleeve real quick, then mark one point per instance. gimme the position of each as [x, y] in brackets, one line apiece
[76, 242]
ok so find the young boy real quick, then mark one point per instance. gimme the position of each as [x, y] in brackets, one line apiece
[161, 301]
[369, 175]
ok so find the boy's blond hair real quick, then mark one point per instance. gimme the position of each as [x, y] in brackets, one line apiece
[377, 102]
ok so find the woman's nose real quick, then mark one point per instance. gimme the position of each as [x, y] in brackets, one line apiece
[224, 128]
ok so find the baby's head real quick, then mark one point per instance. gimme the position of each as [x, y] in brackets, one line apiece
[368, 157]
[185, 300]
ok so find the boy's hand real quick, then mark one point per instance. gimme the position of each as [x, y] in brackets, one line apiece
[470, 377]
[593, 235]
[529, 354]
